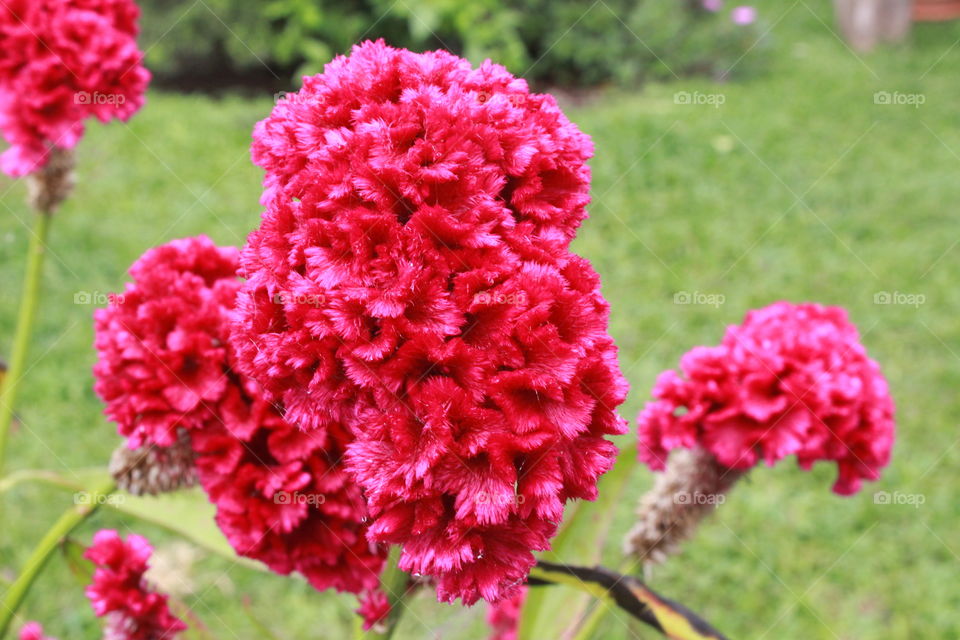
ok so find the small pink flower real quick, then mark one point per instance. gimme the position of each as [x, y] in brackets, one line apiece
[119, 591]
[713, 5]
[160, 347]
[33, 631]
[743, 15]
[374, 608]
[504, 616]
[64, 61]
[791, 380]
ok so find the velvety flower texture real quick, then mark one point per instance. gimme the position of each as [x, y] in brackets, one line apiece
[64, 61]
[120, 592]
[165, 369]
[284, 498]
[162, 357]
[791, 380]
[33, 631]
[411, 282]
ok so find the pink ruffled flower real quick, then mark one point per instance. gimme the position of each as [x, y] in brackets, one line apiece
[165, 367]
[284, 498]
[161, 354]
[504, 616]
[64, 61]
[411, 281]
[120, 592]
[33, 631]
[791, 380]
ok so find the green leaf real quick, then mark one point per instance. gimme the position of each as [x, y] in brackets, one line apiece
[80, 567]
[265, 633]
[78, 479]
[186, 513]
[549, 611]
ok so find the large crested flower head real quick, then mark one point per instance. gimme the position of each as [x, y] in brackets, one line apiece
[119, 590]
[168, 376]
[161, 354]
[791, 380]
[64, 61]
[411, 283]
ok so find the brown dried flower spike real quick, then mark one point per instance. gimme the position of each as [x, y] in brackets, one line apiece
[692, 486]
[49, 186]
[150, 469]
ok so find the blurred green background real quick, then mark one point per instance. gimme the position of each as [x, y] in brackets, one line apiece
[204, 43]
[791, 181]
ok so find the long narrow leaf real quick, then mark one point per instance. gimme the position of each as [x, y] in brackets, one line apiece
[186, 513]
[552, 612]
[670, 618]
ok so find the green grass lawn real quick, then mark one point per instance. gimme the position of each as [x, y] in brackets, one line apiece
[797, 187]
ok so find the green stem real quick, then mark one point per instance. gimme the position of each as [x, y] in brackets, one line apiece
[69, 521]
[29, 299]
[394, 582]
[589, 625]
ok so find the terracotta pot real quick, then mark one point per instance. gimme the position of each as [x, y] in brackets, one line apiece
[866, 23]
[935, 10]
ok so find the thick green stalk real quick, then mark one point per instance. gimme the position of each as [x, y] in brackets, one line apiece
[29, 299]
[70, 520]
[394, 582]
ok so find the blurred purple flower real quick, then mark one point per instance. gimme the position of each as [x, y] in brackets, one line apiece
[743, 15]
[713, 5]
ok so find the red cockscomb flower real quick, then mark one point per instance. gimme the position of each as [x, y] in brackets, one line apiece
[64, 61]
[33, 631]
[791, 380]
[162, 359]
[283, 496]
[411, 282]
[166, 371]
[120, 592]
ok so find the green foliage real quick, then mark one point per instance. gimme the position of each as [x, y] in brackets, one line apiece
[566, 42]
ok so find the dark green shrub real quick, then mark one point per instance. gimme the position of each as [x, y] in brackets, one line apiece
[565, 42]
